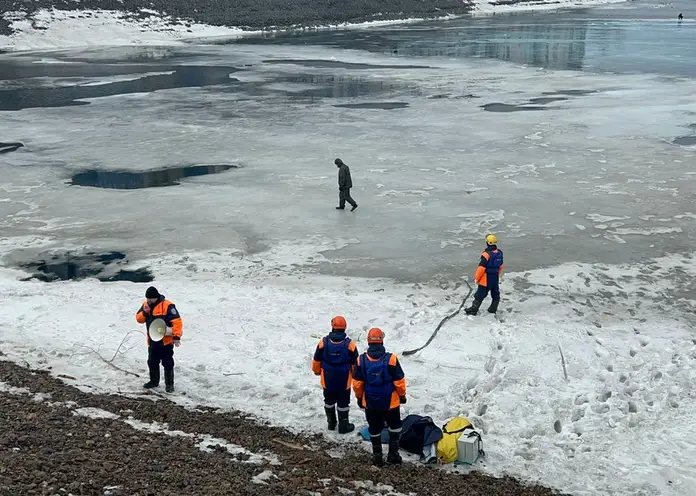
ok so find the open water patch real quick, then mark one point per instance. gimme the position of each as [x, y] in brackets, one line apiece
[374, 105]
[537, 103]
[336, 64]
[506, 107]
[685, 140]
[110, 179]
[65, 96]
[10, 147]
[70, 266]
[330, 86]
[570, 92]
[546, 100]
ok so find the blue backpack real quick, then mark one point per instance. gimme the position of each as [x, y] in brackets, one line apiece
[379, 384]
[494, 262]
[336, 364]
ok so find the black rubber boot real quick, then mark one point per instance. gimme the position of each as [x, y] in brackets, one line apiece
[473, 309]
[393, 457]
[377, 458]
[344, 427]
[169, 380]
[494, 306]
[331, 417]
[154, 378]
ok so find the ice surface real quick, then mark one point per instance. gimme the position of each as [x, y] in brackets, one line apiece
[431, 179]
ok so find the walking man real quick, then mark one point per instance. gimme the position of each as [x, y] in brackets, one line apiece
[156, 306]
[344, 184]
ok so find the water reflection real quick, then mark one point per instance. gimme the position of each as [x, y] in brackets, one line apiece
[538, 42]
[181, 77]
[330, 86]
[543, 45]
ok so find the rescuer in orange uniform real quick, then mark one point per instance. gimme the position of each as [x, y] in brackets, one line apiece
[156, 306]
[487, 276]
[380, 388]
[334, 358]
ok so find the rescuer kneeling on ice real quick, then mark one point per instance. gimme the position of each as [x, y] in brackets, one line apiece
[487, 276]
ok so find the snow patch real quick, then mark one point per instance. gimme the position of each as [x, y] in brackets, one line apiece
[94, 413]
[483, 7]
[205, 443]
[6, 388]
[263, 477]
[83, 28]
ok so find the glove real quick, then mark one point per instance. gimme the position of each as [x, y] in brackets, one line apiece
[402, 399]
[359, 400]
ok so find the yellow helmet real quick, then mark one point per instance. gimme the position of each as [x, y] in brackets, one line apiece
[491, 240]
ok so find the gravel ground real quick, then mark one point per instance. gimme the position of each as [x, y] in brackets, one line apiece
[255, 14]
[48, 447]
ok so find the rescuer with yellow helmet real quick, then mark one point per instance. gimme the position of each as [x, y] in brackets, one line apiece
[487, 276]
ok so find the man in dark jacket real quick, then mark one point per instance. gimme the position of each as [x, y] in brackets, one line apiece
[380, 388]
[344, 184]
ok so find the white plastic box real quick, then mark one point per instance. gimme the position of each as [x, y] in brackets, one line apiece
[468, 448]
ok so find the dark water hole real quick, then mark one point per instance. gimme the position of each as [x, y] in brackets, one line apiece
[374, 105]
[144, 179]
[73, 267]
[10, 147]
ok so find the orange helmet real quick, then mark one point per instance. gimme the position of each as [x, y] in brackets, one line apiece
[375, 335]
[339, 322]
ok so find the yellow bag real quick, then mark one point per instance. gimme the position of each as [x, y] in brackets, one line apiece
[451, 431]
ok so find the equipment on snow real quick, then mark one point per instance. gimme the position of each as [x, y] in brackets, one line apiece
[451, 432]
[417, 433]
[469, 447]
[453, 314]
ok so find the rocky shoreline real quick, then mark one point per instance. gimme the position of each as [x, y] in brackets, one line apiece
[57, 439]
[253, 14]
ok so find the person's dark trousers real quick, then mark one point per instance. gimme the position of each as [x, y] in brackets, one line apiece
[480, 295]
[343, 197]
[158, 353]
[375, 422]
[333, 398]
